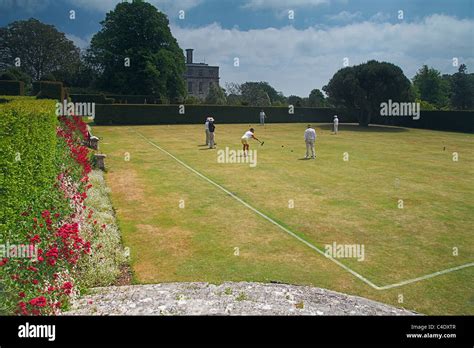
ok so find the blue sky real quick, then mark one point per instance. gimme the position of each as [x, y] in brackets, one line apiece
[294, 55]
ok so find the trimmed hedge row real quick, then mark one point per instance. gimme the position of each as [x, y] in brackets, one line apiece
[115, 98]
[135, 99]
[195, 114]
[91, 98]
[461, 121]
[29, 150]
[49, 90]
[8, 87]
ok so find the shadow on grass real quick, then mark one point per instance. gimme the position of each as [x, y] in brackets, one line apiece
[371, 128]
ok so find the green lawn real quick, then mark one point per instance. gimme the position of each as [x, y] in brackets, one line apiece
[346, 202]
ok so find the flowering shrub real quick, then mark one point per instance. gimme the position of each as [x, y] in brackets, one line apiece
[52, 220]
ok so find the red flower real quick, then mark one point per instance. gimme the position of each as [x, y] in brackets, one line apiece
[67, 287]
[3, 262]
[38, 301]
[35, 239]
[45, 214]
[21, 294]
[31, 268]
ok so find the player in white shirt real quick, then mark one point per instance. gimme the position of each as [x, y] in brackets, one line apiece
[262, 118]
[310, 138]
[245, 140]
[206, 129]
[336, 124]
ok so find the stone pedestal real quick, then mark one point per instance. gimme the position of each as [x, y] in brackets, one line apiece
[100, 160]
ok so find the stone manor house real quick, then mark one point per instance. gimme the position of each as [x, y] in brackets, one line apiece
[199, 76]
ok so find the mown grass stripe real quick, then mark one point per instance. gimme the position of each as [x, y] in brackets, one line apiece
[302, 240]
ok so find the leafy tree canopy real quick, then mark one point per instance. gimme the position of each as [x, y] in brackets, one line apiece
[462, 83]
[135, 53]
[216, 95]
[36, 48]
[364, 87]
[430, 86]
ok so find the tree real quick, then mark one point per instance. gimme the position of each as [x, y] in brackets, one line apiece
[233, 88]
[83, 75]
[192, 100]
[431, 87]
[262, 98]
[295, 101]
[316, 98]
[234, 99]
[251, 91]
[364, 87]
[135, 53]
[36, 48]
[254, 95]
[16, 74]
[462, 89]
[216, 95]
[48, 77]
[7, 76]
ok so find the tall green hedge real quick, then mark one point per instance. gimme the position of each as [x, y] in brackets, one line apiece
[8, 87]
[461, 121]
[115, 98]
[170, 114]
[49, 90]
[28, 145]
[91, 98]
[135, 99]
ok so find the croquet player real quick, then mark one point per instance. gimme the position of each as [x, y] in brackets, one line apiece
[262, 117]
[245, 140]
[310, 138]
[212, 128]
[336, 124]
[206, 129]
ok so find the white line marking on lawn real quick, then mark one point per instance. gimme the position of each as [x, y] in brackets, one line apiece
[354, 273]
[435, 274]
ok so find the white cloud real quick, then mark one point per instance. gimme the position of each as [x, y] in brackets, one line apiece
[78, 41]
[380, 17]
[281, 4]
[345, 16]
[296, 61]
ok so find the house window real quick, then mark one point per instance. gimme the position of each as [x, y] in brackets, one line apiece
[200, 72]
[200, 87]
[190, 87]
[190, 71]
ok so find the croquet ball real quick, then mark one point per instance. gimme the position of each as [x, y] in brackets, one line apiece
[291, 150]
[282, 146]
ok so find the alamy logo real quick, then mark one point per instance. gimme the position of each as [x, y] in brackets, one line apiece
[400, 109]
[29, 251]
[75, 109]
[341, 251]
[37, 331]
[237, 156]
